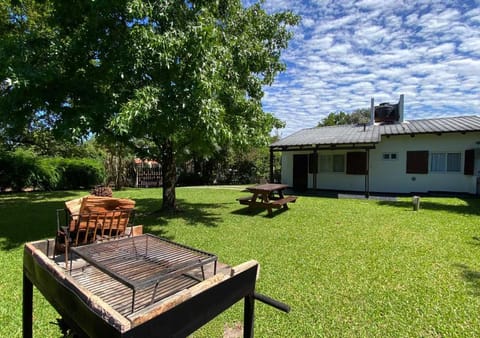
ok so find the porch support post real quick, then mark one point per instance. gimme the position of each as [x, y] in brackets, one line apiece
[367, 174]
[271, 166]
[315, 167]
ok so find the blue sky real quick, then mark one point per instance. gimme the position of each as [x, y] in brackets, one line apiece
[346, 52]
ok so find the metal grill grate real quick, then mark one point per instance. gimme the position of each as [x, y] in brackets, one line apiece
[148, 265]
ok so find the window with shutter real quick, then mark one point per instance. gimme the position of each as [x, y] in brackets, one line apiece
[417, 162]
[469, 162]
[356, 163]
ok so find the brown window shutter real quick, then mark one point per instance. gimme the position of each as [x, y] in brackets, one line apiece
[417, 162]
[469, 162]
[356, 163]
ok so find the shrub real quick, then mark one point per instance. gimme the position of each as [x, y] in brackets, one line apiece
[48, 177]
[190, 179]
[22, 169]
[79, 173]
[18, 169]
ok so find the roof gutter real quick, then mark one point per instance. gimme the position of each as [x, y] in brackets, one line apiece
[312, 147]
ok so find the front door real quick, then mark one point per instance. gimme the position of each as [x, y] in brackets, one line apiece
[300, 172]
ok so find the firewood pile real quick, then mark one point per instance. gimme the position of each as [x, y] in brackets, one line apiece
[101, 190]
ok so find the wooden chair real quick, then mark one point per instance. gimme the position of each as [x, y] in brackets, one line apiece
[92, 219]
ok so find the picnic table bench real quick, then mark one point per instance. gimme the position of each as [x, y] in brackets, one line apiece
[268, 196]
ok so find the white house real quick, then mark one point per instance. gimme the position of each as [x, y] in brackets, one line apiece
[388, 156]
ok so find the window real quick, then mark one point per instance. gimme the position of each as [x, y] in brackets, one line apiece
[417, 162]
[338, 163]
[389, 156]
[453, 162]
[332, 163]
[445, 162]
[438, 162]
[357, 163]
[469, 163]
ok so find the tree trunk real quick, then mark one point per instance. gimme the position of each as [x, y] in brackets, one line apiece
[169, 174]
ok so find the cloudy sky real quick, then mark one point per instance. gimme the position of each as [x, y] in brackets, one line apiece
[346, 52]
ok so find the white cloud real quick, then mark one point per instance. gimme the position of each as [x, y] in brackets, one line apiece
[344, 53]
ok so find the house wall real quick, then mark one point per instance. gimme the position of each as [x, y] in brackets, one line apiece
[326, 181]
[389, 176]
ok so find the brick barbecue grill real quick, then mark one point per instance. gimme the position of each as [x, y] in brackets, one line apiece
[141, 286]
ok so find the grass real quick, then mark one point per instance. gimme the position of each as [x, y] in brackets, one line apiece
[348, 268]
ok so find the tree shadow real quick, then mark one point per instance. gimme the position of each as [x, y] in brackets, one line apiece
[471, 206]
[206, 214]
[472, 277]
[29, 217]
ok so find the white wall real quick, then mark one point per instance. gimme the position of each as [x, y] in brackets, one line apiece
[389, 176]
[326, 181]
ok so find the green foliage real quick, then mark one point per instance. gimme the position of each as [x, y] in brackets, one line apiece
[79, 173]
[18, 169]
[183, 77]
[22, 169]
[230, 165]
[49, 176]
[118, 162]
[359, 116]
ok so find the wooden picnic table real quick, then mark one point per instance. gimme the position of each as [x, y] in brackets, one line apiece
[267, 196]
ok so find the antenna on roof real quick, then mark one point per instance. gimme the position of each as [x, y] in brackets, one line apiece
[400, 108]
[372, 111]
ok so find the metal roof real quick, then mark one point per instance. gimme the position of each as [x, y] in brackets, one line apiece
[344, 134]
[433, 126]
[358, 134]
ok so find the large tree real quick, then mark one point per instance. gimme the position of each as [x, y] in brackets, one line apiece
[174, 76]
[359, 116]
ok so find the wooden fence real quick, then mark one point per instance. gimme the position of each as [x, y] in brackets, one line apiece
[147, 177]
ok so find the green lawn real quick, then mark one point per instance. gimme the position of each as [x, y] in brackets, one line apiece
[347, 268]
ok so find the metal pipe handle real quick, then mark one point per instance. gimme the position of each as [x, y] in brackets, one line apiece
[272, 302]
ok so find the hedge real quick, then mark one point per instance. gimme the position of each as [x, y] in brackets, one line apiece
[22, 169]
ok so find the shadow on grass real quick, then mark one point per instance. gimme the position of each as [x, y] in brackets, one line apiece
[472, 203]
[472, 277]
[29, 217]
[205, 214]
[256, 211]
[471, 206]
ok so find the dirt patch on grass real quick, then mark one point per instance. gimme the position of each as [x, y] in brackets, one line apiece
[234, 330]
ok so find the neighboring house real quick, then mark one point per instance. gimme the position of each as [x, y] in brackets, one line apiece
[388, 156]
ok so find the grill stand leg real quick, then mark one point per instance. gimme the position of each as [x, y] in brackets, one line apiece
[133, 300]
[27, 311]
[248, 316]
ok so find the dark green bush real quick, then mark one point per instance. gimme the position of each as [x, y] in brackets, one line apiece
[17, 169]
[79, 173]
[48, 176]
[22, 169]
[190, 179]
